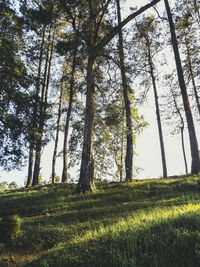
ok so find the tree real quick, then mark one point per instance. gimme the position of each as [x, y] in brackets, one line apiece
[195, 168]
[187, 30]
[182, 131]
[41, 28]
[151, 46]
[69, 46]
[69, 111]
[129, 128]
[43, 104]
[58, 125]
[15, 100]
[33, 130]
[174, 111]
[95, 44]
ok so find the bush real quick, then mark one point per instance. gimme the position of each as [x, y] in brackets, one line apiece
[9, 228]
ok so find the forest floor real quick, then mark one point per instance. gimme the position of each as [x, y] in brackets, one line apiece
[147, 223]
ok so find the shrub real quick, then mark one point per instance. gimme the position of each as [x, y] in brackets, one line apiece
[9, 228]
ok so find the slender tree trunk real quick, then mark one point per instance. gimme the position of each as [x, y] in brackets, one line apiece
[183, 149]
[31, 147]
[192, 73]
[195, 168]
[182, 132]
[69, 111]
[122, 149]
[38, 148]
[53, 175]
[129, 135]
[43, 107]
[164, 165]
[30, 167]
[87, 163]
[92, 159]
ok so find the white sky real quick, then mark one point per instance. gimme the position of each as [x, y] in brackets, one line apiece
[147, 146]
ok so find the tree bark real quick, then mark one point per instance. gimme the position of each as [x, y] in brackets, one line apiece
[86, 180]
[57, 137]
[69, 111]
[164, 165]
[129, 134]
[195, 168]
[87, 163]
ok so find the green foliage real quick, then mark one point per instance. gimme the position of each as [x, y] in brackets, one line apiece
[14, 100]
[57, 179]
[40, 178]
[3, 185]
[144, 223]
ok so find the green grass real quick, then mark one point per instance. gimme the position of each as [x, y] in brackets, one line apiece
[145, 223]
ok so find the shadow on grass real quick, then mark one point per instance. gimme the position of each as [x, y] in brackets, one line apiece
[164, 242]
[46, 232]
[55, 214]
[62, 198]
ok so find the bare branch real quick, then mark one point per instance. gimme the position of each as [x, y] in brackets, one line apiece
[116, 29]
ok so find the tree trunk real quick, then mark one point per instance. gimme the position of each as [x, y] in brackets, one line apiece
[32, 136]
[192, 73]
[129, 135]
[195, 168]
[37, 164]
[86, 180]
[87, 163]
[69, 111]
[182, 132]
[57, 137]
[30, 167]
[183, 149]
[164, 165]
[43, 107]
[122, 149]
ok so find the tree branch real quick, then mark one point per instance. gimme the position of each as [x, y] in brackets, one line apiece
[116, 29]
[104, 9]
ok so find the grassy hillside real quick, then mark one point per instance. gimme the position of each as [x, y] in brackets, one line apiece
[146, 223]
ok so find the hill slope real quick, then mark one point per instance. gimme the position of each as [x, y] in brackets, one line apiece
[145, 223]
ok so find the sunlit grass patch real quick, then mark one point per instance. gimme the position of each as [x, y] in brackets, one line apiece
[146, 238]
